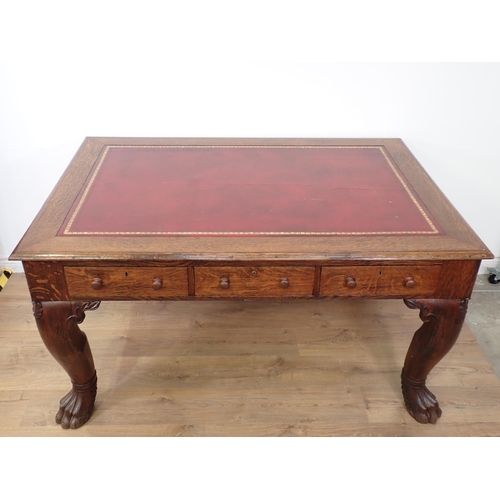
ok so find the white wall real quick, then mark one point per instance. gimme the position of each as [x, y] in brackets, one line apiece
[446, 113]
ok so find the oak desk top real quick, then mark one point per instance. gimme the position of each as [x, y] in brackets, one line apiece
[247, 199]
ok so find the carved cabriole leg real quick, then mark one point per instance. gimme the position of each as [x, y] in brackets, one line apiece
[443, 320]
[58, 326]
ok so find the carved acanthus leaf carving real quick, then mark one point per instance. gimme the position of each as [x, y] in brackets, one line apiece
[37, 309]
[79, 315]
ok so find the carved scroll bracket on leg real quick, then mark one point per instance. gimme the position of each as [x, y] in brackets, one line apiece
[442, 323]
[58, 326]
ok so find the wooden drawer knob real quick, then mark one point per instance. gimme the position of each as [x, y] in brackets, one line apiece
[224, 283]
[96, 283]
[157, 283]
[350, 282]
[284, 283]
[410, 282]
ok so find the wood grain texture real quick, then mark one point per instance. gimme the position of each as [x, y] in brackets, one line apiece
[46, 281]
[254, 281]
[387, 281]
[457, 279]
[126, 282]
[309, 368]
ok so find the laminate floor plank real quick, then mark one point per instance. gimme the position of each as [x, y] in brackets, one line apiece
[13, 405]
[311, 368]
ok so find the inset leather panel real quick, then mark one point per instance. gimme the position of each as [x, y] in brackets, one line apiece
[253, 191]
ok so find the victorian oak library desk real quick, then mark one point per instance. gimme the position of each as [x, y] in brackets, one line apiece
[240, 219]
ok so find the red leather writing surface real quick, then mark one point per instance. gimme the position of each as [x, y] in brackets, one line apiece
[166, 191]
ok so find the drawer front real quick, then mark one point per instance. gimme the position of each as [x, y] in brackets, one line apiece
[249, 281]
[126, 282]
[401, 281]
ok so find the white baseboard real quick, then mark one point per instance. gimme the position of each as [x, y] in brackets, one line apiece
[489, 263]
[14, 266]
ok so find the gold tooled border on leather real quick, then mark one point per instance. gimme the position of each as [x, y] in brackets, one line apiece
[67, 230]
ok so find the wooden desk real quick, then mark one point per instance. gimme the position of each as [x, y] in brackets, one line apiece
[234, 219]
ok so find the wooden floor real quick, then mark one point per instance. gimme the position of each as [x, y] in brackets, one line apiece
[311, 368]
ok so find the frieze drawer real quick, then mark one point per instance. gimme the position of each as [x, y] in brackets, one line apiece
[397, 281]
[247, 281]
[126, 282]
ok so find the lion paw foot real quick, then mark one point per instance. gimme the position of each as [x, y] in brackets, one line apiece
[77, 406]
[421, 404]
